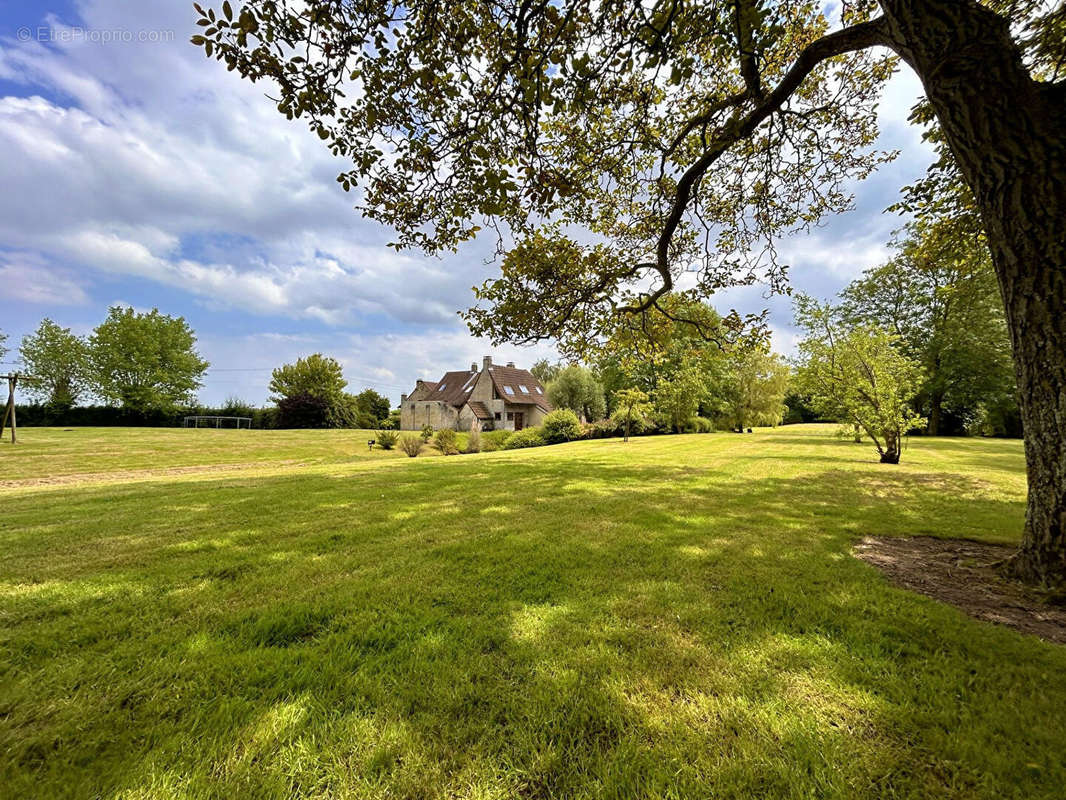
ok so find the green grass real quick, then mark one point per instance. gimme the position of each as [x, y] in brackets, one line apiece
[673, 617]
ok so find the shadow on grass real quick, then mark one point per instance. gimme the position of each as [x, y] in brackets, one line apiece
[541, 628]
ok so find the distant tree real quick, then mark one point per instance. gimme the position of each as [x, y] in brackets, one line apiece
[3, 349]
[576, 388]
[858, 376]
[630, 404]
[314, 382]
[145, 361]
[237, 407]
[939, 296]
[753, 391]
[678, 399]
[545, 371]
[372, 409]
[57, 363]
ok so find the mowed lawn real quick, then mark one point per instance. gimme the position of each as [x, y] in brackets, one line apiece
[672, 617]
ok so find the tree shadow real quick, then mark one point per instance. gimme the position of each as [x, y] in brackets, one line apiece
[533, 628]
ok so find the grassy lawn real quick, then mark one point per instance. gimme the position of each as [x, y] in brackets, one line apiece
[51, 452]
[673, 617]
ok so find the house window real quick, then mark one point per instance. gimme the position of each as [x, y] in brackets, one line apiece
[508, 390]
[497, 415]
[510, 416]
[539, 390]
[523, 389]
[442, 387]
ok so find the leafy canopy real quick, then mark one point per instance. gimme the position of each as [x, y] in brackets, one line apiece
[676, 137]
[858, 376]
[577, 389]
[145, 361]
[57, 363]
[753, 388]
[939, 296]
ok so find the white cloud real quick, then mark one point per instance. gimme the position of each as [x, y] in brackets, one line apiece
[151, 150]
[28, 278]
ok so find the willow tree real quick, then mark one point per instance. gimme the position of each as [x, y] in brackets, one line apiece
[679, 136]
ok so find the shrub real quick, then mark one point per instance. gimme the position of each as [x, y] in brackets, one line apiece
[412, 445]
[527, 437]
[427, 432]
[494, 440]
[473, 441]
[700, 425]
[447, 442]
[560, 426]
[387, 439]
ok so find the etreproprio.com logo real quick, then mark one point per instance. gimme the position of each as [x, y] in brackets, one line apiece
[65, 35]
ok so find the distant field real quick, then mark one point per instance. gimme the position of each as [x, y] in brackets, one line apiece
[50, 452]
[672, 617]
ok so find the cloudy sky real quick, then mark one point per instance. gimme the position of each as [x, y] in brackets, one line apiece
[135, 171]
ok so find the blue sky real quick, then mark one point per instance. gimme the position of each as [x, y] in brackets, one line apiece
[137, 172]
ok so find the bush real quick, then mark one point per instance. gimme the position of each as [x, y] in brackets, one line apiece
[527, 437]
[387, 439]
[561, 426]
[427, 432]
[699, 425]
[447, 442]
[412, 445]
[473, 441]
[494, 440]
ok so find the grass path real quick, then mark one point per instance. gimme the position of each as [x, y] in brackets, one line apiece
[675, 617]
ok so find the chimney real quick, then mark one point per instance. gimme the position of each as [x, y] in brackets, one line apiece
[419, 383]
[403, 399]
[510, 364]
[487, 362]
[473, 367]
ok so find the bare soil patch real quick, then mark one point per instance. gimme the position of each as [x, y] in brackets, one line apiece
[962, 573]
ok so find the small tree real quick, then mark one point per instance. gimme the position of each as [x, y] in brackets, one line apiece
[314, 382]
[145, 361]
[753, 388]
[630, 404]
[412, 445]
[576, 388]
[57, 363]
[859, 376]
[372, 409]
[387, 439]
[679, 398]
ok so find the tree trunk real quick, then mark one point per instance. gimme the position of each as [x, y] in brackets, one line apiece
[891, 452]
[936, 402]
[1008, 135]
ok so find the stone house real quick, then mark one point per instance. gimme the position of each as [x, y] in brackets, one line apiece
[498, 398]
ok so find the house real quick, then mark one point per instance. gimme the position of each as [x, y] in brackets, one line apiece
[498, 398]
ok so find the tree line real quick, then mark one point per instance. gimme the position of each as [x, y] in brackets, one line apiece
[143, 368]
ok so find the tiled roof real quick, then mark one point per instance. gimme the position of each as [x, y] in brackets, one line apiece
[514, 379]
[480, 410]
[453, 388]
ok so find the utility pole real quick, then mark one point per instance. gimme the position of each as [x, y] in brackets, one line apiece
[12, 382]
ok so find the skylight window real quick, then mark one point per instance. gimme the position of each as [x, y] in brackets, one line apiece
[523, 389]
[442, 387]
[508, 389]
[539, 390]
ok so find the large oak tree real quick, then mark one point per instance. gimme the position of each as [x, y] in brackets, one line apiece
[680, 135]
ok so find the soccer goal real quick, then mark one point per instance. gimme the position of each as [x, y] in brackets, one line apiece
[217, 422]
